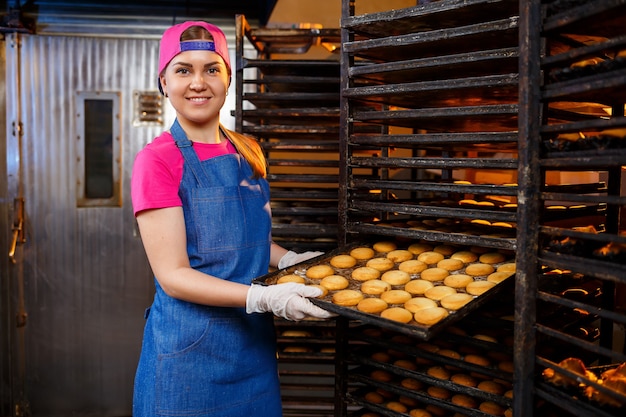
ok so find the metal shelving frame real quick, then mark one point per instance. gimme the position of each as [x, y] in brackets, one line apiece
[290, 103]
[554, 35]
[400, 71]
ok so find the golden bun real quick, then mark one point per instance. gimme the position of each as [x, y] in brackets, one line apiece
[412, 384]
[491, 386]
[465, 256]
[406, 364]
[450, 264]
[507, 267]
[371, 305]
[457, 280]
[479, 287]
[418, 286]
[396, 277]
[445, 250]
[398, 314]
[347, 297]
[464, 379]
[399, 255]
[343, 261]
[438, 372]
[464, 400]
[455, 301]
[395, 296]
[491, 258]
[492, 408]
[375, 287]
[438, 292]
[412, 266]
[362, 253]
[430, 316]
[434, 274]
[479, 269]
[384, 246]
[319, 271]
[397, 406]
[499, 276]
[290, 278]
[334, 282]
[419, 303]
[374, 397]
[477, 360]
[365, 273]
[430, 257]
[381, 264]
[417, 248]
[438, 392]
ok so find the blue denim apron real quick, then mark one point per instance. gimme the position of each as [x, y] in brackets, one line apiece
[213, 361]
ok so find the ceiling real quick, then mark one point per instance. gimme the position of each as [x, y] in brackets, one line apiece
[255, 10]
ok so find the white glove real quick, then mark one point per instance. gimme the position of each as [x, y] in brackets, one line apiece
[288, 300]
[292, 258]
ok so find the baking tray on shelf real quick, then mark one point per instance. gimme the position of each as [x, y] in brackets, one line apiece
[411, 328]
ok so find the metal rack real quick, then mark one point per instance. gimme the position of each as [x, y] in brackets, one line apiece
[439, 83]
[434, 93]
[574, 94]
[392, 374]
[306, 367]
[429, 99]
[290, 103]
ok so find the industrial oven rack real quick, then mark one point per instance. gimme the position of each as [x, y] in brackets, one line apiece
[438, 93]
[429, 153]
[572, 120]
[288, 98]
[440, 83]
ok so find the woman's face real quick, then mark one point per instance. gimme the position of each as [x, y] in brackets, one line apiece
[196, 83]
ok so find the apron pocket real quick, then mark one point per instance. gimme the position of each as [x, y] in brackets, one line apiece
[233, 217]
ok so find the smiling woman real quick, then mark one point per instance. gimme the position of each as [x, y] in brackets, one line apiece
[202, 206]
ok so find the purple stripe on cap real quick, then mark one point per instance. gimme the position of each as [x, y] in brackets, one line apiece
[197, 46]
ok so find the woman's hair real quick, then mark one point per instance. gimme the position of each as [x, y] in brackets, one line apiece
[246, 146]
[251, 151]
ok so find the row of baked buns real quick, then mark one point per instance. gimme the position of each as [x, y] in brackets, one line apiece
[421, 283]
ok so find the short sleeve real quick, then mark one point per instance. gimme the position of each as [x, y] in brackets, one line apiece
[155, 178]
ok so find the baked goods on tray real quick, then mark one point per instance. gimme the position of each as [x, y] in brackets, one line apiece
[418, 284]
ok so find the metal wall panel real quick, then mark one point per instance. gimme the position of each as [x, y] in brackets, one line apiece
[87, 281]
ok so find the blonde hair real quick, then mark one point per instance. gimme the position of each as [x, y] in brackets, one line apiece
[250, 150]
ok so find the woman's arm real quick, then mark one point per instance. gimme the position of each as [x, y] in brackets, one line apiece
[164, 239]
[276, 253]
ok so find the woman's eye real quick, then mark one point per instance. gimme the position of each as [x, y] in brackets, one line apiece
[182, 71]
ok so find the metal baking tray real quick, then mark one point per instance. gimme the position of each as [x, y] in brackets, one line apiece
[412, 328]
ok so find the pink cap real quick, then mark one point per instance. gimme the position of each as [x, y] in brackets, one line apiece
[171, 44]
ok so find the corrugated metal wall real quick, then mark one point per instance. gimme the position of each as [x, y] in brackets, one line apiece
[86, 279]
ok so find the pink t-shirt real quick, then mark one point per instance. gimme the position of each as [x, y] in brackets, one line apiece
[158, 171]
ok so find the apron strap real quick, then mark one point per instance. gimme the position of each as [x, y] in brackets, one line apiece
[191, 158]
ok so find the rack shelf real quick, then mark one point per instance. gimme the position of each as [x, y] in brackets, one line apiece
[290, 101]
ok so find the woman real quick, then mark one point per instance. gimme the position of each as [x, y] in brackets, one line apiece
[202, 207]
